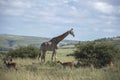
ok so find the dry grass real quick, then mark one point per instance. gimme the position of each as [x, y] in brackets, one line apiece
[31, 69]
[54, 74]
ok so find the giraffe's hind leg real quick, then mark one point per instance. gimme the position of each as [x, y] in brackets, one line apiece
[39, 55]
[43, 56]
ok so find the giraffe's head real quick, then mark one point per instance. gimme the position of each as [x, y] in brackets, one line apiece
[71, 32]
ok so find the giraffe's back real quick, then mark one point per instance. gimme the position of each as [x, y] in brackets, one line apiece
[46, 46]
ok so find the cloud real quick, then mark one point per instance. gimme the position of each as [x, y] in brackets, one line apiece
[109, 30]
[14, 7]
[103, 7]
[89, 17]
[112, 2]
[65, 1]
[107, 7]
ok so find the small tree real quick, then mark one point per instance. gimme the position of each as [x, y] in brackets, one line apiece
[24, 52]
[97, 53]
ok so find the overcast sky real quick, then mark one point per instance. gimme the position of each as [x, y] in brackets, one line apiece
[90, 19]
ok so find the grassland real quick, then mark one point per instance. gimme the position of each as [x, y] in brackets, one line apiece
[32, 69]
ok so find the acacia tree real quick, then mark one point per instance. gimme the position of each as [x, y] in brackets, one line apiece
[97, 53]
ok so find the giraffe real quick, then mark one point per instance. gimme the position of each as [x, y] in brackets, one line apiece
[51, 45]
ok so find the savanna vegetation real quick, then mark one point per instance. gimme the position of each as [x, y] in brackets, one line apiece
[97, 53]
[24, 52]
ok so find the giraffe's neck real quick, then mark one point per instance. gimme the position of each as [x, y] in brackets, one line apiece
[59, 38]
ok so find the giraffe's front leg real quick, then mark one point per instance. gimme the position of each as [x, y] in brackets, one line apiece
[54, 56]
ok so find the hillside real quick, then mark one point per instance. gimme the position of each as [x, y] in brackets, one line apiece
[114, 40]
[11, 41]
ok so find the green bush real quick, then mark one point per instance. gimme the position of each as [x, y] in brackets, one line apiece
[24, 52]
[3, 54]
[97, 53]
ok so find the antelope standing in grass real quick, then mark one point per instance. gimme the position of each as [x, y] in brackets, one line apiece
[110, 64]
[10, 65]
[66, 64]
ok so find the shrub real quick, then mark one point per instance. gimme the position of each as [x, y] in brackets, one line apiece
[3, 54]
[97, 53]
[24, 52]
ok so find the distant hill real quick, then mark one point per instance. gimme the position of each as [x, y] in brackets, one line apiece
[114, 40]
[11, 41]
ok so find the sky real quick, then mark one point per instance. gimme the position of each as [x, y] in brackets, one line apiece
[90, 19]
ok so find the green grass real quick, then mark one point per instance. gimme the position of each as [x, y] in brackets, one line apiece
[31, 69]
